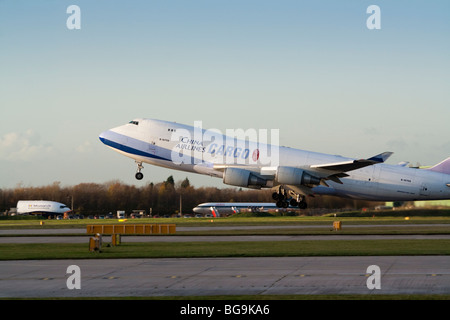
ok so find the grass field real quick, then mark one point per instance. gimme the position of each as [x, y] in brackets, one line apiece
[227, 249]
[364, 225]
[318, 225]
[403, 217]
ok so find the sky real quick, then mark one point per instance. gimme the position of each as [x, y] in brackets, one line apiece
[311, 69]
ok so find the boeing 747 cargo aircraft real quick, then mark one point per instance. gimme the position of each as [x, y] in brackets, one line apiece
[293, 174]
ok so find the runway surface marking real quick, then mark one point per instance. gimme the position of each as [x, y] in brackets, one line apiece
[226, 276]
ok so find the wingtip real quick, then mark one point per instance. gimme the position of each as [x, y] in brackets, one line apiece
[382, 157]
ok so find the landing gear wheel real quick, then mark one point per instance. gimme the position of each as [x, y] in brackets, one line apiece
[302, 205]
[139, 175]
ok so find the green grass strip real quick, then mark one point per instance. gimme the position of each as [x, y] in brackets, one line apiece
[227, 249]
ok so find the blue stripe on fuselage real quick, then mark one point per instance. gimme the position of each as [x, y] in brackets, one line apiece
[126, 148]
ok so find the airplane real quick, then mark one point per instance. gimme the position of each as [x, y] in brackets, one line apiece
[223, 208]
[41, 207]
[292, 174]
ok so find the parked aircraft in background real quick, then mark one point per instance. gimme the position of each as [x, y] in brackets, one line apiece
[41, 207]
[293, 174]
[226, 208]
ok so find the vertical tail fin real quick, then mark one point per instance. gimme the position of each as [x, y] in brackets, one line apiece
[442, 167]
[215, 212]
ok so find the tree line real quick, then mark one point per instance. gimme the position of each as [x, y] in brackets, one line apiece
[163, 198]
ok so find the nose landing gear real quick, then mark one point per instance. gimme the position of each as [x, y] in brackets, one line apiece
[139, 175]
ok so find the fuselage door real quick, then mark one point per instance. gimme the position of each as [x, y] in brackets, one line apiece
[152, 145]
[146, 134]
[424, 190]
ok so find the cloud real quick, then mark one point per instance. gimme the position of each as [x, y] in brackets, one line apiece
[86, 147]
[371, 131]
[22, 146]
[398, 144]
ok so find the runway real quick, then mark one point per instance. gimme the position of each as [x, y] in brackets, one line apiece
[225, 276]
[218, 276]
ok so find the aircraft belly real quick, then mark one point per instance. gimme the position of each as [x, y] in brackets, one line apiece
[168, 164]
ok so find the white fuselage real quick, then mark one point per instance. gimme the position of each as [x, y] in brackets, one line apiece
[41, 206]
[182, 147]
[224, 208]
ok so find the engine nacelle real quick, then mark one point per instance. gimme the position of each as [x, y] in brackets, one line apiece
[242, 178]
[295, 176]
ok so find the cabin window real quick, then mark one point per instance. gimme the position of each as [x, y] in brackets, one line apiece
[134, 122]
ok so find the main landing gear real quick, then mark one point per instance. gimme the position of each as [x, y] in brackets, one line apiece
[284, 199]
[139, 175]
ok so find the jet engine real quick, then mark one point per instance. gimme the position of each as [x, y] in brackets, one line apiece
[243, 178]
[295, 176]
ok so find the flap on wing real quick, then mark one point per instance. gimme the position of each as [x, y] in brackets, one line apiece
[306, 191]
[353, 164]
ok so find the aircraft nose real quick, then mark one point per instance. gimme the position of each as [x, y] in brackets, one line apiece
[104, 136]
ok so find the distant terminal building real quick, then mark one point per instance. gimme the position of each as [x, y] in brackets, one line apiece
[432, 203]
[425, 204]
[42, 207]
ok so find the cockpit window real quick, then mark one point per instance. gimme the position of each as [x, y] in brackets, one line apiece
[134, 122]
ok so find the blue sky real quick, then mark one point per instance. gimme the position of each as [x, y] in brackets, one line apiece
[311, 69]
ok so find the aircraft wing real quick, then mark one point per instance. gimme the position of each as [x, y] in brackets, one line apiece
[334, 171]
[337, 167]
[316, 174]
[353, 164]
